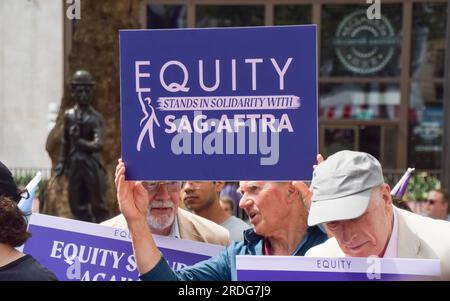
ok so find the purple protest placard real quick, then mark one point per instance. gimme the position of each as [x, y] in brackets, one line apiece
[292, 268]
[243, 100]
[76, 250]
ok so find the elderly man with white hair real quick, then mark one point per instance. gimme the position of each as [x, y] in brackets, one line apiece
[164, 217]
[352, 200]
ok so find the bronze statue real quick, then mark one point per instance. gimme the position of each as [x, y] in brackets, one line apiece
[79, 158]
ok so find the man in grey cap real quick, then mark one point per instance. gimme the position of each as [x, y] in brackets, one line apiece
[352, 200]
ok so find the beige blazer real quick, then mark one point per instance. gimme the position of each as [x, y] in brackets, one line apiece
[418, 237]
[192, 227]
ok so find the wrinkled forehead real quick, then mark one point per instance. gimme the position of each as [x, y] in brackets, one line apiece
[245, 185]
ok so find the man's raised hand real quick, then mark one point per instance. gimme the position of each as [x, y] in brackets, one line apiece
[131, 195]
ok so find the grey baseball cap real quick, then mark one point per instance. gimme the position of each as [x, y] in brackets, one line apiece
[342, 185]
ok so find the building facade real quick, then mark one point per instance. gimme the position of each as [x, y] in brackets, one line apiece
[381, 76]
[31, 80]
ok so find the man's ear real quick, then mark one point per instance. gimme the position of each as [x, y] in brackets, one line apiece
[291, 193]
[302, 188]
[303, 192]
[219, 186]
[386, 194]
[292, 189]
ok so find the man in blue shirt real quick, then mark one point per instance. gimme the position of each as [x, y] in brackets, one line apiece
[277, 211]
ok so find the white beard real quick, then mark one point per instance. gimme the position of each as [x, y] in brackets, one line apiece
[161, 222]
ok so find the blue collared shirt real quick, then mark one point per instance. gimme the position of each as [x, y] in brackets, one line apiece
[222, 267]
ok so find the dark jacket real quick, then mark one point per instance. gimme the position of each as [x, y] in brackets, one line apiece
[90, 143]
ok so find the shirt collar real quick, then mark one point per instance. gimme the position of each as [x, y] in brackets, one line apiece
[305, 239]
[250, 237]
[322, 228]
[391, 249]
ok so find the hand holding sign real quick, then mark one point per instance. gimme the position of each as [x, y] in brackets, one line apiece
[132, 196]
[320, 159]
[133, 202]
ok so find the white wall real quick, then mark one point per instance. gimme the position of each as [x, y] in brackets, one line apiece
[31, 78]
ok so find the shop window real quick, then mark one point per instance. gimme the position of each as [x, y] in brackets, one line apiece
[353, 45]
[335, 139]
[379, 140]
[426, 125]
[359, 101]
[229, 15]
[166, 16]
[292, 14]
[428, 40]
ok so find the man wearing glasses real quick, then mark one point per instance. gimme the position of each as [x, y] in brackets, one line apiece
[164, 217]
[437, 205]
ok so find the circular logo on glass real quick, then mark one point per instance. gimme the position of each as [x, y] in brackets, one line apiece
[428, 130]
[364, 46]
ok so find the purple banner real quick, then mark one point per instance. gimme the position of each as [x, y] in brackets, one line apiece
[292, 268]
[241, 99]
[77, 255]
[258, 275]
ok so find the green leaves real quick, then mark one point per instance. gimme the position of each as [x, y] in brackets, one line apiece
[420, 184]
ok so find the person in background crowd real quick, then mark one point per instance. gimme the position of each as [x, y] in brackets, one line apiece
[230, 191]
[164, 217]
[350, 197]
[437, 205]
[8, 186]
[399, 203]
[277, 212]
[15, 265]
[417, 207]
[202, 198]
[228, 205]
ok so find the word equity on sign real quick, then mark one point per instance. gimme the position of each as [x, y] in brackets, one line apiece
[81, 251]
[293, 268]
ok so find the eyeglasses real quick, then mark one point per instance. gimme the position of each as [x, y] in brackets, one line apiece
[153, 187]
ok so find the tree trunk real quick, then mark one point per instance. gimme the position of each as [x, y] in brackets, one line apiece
[95, 48]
